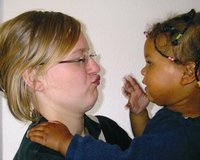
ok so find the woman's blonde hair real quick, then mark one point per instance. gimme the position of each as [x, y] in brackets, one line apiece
[32, 40]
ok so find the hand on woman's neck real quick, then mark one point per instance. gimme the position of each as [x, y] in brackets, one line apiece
[74, 121]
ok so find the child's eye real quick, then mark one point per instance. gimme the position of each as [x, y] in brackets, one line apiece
[148, 62]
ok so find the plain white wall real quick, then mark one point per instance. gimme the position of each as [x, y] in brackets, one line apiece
[116, 29]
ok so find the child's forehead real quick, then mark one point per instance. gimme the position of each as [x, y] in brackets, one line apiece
[148, 47]
[161, 41]
[149, 44]
[150, 50]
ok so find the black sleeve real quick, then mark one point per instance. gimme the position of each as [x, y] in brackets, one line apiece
[113, 133]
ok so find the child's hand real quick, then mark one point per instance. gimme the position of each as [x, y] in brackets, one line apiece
[138, 100]
[54, 135]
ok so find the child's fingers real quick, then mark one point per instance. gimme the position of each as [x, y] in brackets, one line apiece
[127, 86]
[128, 105]
[126, 93]
[35, 132]
[36, 138]
[38, 130]
[38, 134]
[39, 139]
[134, 84]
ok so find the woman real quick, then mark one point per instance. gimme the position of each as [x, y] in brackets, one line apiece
[48, 73]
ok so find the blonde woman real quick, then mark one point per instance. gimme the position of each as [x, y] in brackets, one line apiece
[48, 73]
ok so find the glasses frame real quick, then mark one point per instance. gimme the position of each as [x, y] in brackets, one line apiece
[91, 55]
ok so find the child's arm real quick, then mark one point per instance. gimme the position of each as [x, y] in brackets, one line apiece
[138, 122]
[137, 104]
[54, 135]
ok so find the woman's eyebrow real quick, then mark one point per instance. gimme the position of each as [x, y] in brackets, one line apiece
[80, 50]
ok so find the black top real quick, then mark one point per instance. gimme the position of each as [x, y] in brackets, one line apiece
[112, 132]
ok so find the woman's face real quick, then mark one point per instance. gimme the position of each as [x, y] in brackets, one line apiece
[73, 86]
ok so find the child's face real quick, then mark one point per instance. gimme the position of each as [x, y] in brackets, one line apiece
[161, 76]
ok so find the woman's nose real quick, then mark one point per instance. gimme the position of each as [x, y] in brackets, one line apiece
[93, 66]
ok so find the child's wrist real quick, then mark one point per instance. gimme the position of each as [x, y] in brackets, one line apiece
[65, 145]
[140, 114]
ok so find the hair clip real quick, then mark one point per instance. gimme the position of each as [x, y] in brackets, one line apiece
[179, 36]
[171, 58]
[175, 41]
[146, 34]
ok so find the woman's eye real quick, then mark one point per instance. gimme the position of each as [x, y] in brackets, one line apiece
[81, 60]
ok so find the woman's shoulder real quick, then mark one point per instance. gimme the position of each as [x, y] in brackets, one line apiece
[31, 151]
[102, 120]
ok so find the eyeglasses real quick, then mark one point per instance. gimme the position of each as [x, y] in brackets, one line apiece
[84, 59]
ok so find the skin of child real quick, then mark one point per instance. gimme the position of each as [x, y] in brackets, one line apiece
[170, 84]
[137, 103]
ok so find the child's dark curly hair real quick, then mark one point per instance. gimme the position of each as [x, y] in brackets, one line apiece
[182, 38]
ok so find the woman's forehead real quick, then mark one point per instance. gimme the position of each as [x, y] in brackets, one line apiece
[81, 43]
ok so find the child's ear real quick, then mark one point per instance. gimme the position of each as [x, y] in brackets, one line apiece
[32, 80]
[188, 73]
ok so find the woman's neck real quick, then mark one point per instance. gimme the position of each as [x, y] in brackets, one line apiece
[74, 121]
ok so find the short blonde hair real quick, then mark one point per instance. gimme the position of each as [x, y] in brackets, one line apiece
[27, 41]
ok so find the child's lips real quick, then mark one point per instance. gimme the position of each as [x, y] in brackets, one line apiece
[143, 82]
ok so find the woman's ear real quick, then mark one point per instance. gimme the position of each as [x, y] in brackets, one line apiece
[188, 73]
[32, 80]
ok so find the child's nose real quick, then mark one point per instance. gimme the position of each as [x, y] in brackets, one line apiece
[143, 71]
